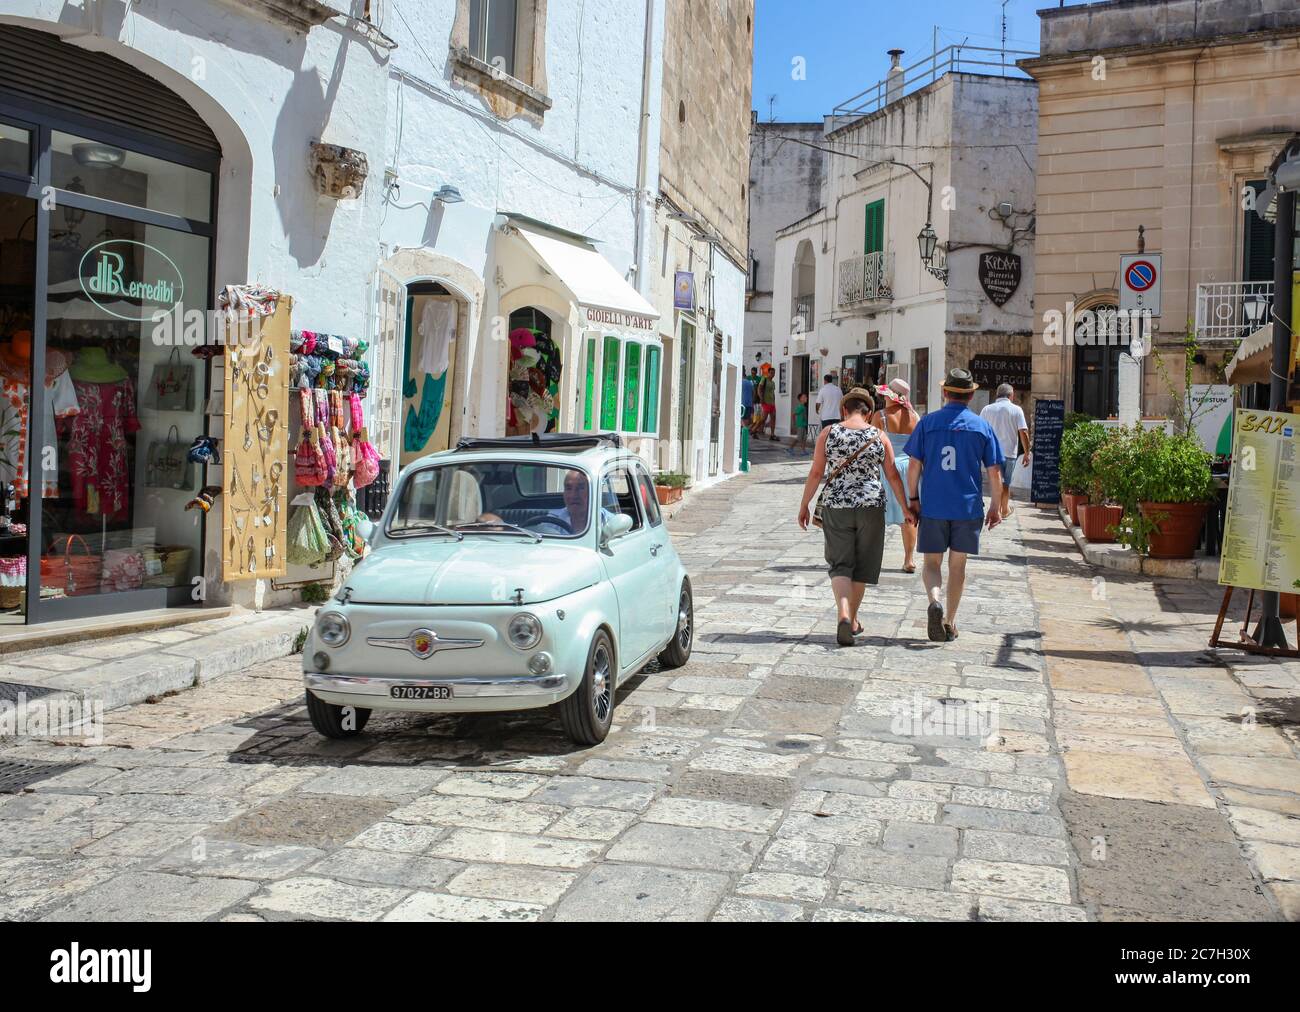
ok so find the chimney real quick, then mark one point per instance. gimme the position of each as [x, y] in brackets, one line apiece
[894, 79]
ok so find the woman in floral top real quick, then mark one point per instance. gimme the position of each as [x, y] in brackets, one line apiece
[853, 504]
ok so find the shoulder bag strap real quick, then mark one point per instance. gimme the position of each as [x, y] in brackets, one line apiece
[847, 460]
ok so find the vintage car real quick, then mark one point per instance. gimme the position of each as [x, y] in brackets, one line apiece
[506, 574]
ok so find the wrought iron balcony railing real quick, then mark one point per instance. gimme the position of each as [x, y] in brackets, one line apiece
[1231, 309]
[867, 277]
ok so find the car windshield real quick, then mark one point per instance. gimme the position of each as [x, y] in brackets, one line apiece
[502, 498]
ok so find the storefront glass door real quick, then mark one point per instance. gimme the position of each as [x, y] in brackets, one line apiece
[105, 287]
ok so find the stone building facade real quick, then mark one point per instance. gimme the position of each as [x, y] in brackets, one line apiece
[957, 152]
[1159, 114]
[787, 171]
[700, 243]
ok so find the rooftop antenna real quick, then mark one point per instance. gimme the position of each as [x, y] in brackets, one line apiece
[771, 108]
[1004, 38]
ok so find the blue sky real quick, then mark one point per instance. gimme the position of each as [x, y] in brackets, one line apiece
[844, 43]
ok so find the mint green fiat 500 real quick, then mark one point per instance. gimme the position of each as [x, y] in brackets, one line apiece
[507, 574]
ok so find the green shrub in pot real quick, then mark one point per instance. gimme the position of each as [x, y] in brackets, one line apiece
[1078, 446]
[1150, 466]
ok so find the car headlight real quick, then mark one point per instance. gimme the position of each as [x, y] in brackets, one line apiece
[524, 631]
[333, 629]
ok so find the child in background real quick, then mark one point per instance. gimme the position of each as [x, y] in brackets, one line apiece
[800, 441]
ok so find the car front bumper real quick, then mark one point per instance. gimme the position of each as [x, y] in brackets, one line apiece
[469, 694]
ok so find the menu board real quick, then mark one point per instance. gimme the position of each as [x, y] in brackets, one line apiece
[1049, 423]
[1261, 540]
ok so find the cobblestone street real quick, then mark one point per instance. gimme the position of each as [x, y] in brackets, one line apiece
[1127, 773]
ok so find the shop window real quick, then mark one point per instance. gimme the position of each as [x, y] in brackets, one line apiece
[609, 383]
[98, 169]
[650, 409]
[589, 385]
[632, 388]
[15, 149]
[536, 369]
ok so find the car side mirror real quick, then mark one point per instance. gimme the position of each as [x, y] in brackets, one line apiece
[615, 527]
[366, 528]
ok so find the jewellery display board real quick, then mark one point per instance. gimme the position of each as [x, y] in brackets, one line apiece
[255, 480]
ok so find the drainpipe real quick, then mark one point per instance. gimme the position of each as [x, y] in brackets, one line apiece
[641, 247]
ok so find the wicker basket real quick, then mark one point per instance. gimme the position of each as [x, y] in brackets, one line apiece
[11, 597]
[175, 561]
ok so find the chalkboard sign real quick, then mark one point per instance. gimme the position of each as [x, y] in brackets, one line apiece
[1049, 423]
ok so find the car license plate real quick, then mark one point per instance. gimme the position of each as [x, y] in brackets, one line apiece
[420, 691]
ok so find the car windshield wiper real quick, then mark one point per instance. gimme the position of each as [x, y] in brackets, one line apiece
[428, 526]
[510, 528]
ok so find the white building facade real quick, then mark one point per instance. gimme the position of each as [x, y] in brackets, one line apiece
[958, 152]
[504, 158]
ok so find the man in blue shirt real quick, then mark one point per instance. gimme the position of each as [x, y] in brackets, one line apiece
[948, 450]
[746, 397]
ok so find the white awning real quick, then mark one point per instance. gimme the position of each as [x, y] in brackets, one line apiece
[1253, 362]
[593, 284]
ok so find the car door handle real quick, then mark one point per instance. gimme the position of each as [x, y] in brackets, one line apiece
[654, 549]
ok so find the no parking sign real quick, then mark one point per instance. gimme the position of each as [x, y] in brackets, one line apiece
[1139, 283]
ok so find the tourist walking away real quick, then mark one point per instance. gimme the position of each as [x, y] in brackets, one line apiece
[1008, 422]
[800, 441]
[851, 508]
[897, 419]
[828, 401]
[947, 450]
[767, 397]
[746, 397]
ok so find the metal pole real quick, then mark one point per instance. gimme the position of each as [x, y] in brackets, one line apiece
[1270, 632]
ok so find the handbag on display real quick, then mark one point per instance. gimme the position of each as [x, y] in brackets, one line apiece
[168, 463]
[74, 574]
[307, 542]
[172, 388]
[365, 460]
[342, 459]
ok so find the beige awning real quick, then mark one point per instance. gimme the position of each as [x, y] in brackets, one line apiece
[1253, 362]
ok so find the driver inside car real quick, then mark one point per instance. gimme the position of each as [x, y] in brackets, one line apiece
[574, 510]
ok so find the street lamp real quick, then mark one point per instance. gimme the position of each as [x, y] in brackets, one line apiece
[1255, 306]
[926, 241]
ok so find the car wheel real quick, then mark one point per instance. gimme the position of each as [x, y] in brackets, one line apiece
[336, 721]
[678, 650]
[588, 711]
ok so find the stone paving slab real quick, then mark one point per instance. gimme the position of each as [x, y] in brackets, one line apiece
[775, 777]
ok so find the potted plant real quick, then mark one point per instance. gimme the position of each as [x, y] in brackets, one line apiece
[669, 486]
[1175, 491]
[1078, 445]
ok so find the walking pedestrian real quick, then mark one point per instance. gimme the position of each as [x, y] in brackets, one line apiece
[800, 441]
[746, 397]
[852, 505]
[897, 419]
[1008, 420]
[767, 397]
[948, 448]
[828, 401]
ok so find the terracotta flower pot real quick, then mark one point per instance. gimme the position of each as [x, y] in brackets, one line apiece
[1179, 528]
[1072, 501]
[667, 494]
[1289, 605]
[1096, 519]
